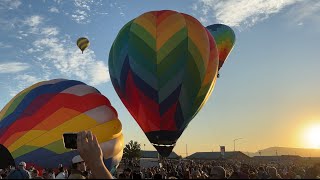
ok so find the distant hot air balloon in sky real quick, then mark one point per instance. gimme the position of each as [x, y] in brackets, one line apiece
[225, 39]
[33, 122]
[163, 66]
[83, 43]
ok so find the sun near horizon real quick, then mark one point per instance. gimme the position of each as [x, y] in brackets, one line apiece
[312, 136]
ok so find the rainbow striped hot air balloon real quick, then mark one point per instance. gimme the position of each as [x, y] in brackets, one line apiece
[32, 123]
[163, 65]
[225, 39]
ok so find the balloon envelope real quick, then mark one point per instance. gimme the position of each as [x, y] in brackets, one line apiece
[225, 39]
[83, 43]
[32, 123]
[163, 66]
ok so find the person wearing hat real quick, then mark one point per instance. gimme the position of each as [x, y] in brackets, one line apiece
[78, 167]
[20, 173]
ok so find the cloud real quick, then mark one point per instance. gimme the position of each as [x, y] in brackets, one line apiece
[83, 8]
[54, 10]
[33, 21]
[50, 31]
[305, 11]
[80, 17]
[239, 12]
[13, 67]
[23, 81]
[10, 4]
[27, 78]
[2, 45]
[69, 61]
[56, 55]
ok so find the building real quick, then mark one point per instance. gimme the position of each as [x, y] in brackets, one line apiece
[236, 155]
[154, 154]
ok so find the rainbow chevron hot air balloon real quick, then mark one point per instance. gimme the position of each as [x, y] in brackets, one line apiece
[225, 39]
[163, 65]
[32, 123]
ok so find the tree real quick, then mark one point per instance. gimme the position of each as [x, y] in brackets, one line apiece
[132, 150]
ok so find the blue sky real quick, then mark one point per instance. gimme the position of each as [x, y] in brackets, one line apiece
[268, 92]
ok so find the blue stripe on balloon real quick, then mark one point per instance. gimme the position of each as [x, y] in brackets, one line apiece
[47, 159]
[170, 100]
[124, 74]
[145, 88]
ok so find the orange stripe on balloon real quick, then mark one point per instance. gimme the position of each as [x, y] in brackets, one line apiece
[148, 22]
[162, 15]
[57, 118]
[176, 23]
[13, 138]
[213, 62]
[197, 33]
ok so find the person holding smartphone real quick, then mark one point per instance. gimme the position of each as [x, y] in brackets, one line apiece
[90, 151]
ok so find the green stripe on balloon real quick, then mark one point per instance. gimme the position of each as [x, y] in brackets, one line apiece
[14, 104]
[171, 44]
[197, 58]
[141, 53]
[172, 63]
[117, 49]
[25, 149]
[144, 35]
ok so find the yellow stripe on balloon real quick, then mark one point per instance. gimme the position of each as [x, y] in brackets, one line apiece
[55, 119]
[75, 124]
[26, 138]
[104, 132]
[117, 143]
[148, 22]
[107, 131]
[176, 22]
[84, 46]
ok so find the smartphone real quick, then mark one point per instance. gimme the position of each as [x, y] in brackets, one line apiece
[70, 140]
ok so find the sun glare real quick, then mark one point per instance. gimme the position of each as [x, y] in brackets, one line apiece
[313, 136]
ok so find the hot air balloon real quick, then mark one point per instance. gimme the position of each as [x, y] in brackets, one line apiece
[83, 43]
[163, 66]
[33, 122]
[225, 39]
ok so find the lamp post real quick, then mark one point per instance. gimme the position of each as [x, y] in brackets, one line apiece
[234, 143]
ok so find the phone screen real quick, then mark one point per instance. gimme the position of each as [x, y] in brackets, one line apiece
[70, 140]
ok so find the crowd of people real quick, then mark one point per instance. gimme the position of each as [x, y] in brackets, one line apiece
[223, 169]
[89, 165]
[172, 169]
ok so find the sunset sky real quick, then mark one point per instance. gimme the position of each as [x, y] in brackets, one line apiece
[268, 92]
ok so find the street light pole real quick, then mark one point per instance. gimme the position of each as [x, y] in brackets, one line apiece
[234, 143]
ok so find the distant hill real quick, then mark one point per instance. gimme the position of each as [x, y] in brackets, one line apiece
[287, 151]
